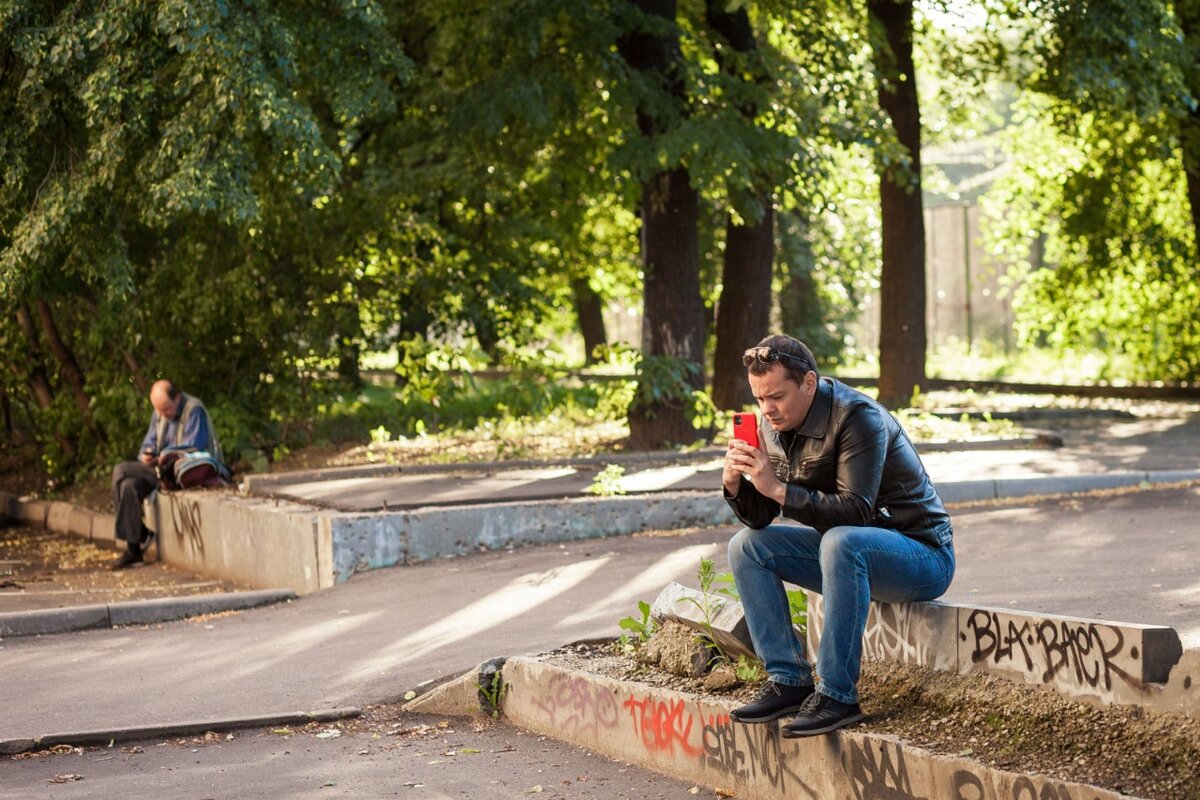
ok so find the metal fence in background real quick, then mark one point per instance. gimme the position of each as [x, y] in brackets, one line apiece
[964, 301]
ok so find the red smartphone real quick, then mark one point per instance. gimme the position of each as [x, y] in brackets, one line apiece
[745, 427]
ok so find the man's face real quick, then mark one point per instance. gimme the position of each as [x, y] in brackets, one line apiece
[783, 402]
[163, 404]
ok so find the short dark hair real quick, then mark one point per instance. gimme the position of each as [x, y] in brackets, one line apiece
[800, 362]
[172, 390]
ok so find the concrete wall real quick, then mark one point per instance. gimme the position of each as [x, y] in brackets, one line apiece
[1113, 663]
[382, 539]
[693, 738]
[259, 542]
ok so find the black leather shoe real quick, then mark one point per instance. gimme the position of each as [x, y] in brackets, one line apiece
[128, 559]
[774, 701]
[822, 714]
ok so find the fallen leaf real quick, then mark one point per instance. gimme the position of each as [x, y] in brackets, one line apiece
[282, 731]
[470, 750]
[67, 778]
[409, 695]
[726, 793]
[535, 790]
[329, 734]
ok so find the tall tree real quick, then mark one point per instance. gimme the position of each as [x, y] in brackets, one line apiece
[902, 337]
[169, 173]
[673, 319]
[744, 309]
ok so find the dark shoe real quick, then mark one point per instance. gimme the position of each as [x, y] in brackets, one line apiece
[822, 714]
[774, 701]
[149, 537]
[128, 559]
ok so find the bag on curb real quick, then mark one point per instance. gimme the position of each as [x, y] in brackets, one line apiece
[190, 469]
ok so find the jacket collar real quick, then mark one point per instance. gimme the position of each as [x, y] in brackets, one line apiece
[816, 422]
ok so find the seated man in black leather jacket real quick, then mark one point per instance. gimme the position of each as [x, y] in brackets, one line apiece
[872, 527]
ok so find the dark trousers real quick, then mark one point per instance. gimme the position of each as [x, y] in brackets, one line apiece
[132, 482]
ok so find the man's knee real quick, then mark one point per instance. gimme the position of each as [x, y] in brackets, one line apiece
[738, 549]
[121, 472]
[840, 543]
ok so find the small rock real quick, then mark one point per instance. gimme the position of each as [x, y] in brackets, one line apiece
[722, 677]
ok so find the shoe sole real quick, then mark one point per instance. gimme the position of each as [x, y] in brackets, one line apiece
[783, 712]
[792, 733]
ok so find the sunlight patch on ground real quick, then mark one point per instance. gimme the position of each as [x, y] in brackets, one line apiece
[509, 602]
[678, 566]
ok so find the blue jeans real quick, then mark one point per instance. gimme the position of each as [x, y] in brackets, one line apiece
[849, 566]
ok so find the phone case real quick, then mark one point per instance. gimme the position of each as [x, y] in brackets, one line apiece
[745, 427]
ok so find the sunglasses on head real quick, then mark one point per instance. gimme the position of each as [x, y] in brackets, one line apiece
[769, 355]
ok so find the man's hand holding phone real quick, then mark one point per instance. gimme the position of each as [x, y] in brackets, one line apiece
[745, 457]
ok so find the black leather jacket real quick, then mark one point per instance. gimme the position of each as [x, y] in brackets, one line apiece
[849, 463]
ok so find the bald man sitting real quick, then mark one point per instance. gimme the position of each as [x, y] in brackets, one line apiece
[179, 422]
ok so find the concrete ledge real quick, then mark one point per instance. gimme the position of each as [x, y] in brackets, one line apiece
[455, 698]
[174, 729]
[256, 541]
[693, 738]
[134, 612]
[382, 539]
[1114, 663]
[1009, 488]
[32, 512]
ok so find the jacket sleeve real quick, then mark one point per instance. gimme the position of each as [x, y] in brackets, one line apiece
[861, 448]
[196, 435]
[150, 440]
[752, 508]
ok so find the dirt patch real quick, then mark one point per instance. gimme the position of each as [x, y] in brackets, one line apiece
[986, 719]
[44, 569]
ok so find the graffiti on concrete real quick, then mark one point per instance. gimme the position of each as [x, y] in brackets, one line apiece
[877, 770]
[1077, 652]
[665, 726]
[895, 633]
[185, 519]
[750, 752]
[574, 704]
[969, 786]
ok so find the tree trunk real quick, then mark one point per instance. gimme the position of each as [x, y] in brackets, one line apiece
[801, 310]
[673, 320]
[67, 364]
[12, 433]
[744, 314]
[135, 371]
[589, 310]
[744, 309]
[1187, 14]
[39, 380]
[902, 284]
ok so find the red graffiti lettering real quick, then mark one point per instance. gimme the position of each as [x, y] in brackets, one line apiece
[663, 725]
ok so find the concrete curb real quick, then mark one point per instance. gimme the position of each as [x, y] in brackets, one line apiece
[1012, 488]
[134, 612]
[174, 729]
[693, 738]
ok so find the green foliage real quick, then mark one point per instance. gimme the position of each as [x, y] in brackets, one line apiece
[493, 694]
[749, 670]
[608, 482]
[643, 627]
